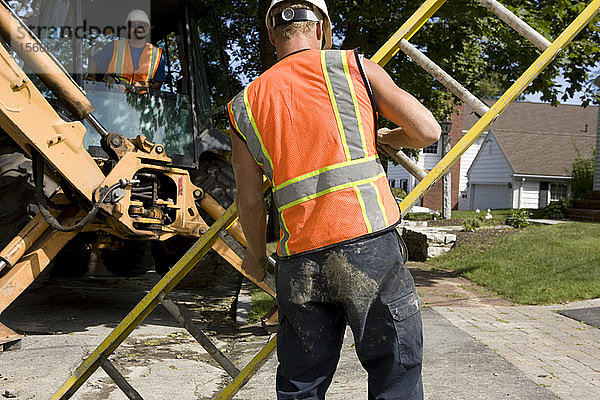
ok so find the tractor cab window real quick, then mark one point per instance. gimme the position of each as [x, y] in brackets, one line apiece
[158, 91]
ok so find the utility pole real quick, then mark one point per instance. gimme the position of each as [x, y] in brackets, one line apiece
[447, 178]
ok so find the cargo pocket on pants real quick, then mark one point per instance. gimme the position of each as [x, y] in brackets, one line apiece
[409, 329]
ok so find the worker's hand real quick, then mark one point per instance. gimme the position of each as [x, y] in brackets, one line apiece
[392, 137]
[255, 268]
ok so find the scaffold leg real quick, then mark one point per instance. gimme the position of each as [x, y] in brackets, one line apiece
[118, 379]
[249, 370]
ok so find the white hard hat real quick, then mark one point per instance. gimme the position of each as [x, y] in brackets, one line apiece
[320, 4]
[138, 16]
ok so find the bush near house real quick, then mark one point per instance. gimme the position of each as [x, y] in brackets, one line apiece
[398, 193]
[518, 218]
[583, 175]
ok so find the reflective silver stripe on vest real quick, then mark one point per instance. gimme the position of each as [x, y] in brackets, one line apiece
[328, 179]
[375, 216]
[241, 115]
[344, 102]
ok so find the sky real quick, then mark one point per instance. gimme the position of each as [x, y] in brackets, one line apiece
[576, 99]
[535, 98]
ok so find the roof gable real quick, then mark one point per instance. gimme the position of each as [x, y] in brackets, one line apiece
[492, 158]
[538, 139]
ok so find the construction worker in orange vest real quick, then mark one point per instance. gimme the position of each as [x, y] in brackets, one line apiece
[309, 124]
[132, 61]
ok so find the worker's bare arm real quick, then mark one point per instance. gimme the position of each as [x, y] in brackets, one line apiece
[251, 206]
[419, 127]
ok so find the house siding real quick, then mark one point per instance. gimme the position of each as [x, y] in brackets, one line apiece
[529, 196]
[465, 163]
[490, 166]
[398, 173]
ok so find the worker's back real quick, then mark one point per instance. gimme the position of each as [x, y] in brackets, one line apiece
[311, 126]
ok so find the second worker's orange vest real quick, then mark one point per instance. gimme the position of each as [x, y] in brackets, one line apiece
[309, 123]
[121, 63]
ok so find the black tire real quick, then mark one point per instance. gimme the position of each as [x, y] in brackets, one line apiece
[215, 176]
[17, 193]
[128, 261]
[19, 206]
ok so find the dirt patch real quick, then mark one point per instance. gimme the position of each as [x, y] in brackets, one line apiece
[484, 237]
[444, 288]
[446, 222]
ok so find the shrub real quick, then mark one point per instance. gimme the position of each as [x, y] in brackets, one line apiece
[555, 210]
[471, 224]
[398, 193]
[583, 175]
[518, 218]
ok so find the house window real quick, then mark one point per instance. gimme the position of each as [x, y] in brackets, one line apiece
[392, 183]
[558, 191]
[404, 185]
[433, 149]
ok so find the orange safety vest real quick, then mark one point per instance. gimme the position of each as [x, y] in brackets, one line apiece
[309, 124]
[122, 65]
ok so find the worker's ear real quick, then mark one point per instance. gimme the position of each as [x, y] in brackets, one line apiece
[320, 32]
[271, 39]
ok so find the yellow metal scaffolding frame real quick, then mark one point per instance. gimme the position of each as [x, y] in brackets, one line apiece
[399, 41]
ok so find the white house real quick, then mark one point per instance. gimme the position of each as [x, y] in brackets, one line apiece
[430, 156]
[527, 156]
[523, 161]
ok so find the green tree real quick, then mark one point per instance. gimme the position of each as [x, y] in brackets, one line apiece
[464, 38]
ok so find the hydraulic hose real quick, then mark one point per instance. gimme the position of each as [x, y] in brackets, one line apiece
[38, 173]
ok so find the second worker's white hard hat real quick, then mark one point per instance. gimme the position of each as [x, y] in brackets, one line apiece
[320, 4]
[138, 16]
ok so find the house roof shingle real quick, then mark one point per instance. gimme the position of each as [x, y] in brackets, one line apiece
[538, 139]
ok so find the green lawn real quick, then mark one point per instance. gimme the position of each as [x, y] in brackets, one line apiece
[262, 303]
[540, 265]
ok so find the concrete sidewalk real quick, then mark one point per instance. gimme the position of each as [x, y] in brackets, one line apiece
[554, 351]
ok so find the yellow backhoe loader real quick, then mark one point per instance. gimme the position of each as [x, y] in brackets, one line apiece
[88, 163]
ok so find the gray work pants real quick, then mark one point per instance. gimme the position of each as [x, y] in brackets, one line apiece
[363, 284]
